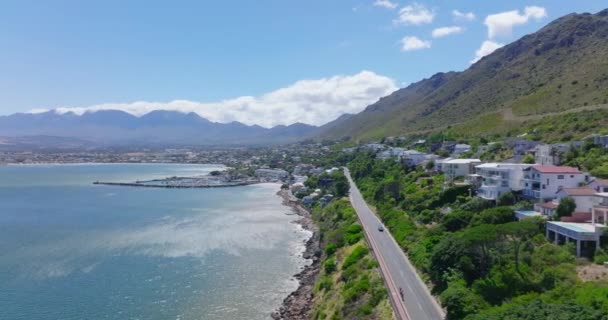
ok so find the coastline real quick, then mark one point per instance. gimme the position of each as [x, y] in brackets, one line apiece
[297, 305]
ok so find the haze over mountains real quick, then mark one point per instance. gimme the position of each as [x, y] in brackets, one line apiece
[562, 66]
[113, 127]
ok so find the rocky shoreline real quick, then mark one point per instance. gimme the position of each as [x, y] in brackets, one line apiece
[297, 305]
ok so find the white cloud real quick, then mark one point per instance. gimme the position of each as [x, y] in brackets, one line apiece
[415, 14]
[309, 101]
[463, 16]
[446, 31]
[385, 4]
[501, 24]
[486, 48]
[414, 43]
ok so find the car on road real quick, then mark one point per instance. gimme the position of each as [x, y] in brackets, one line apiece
[380, 228]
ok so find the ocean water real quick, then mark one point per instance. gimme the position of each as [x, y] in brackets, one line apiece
[73, 250]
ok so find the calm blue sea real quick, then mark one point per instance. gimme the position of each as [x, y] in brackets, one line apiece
[73, 250]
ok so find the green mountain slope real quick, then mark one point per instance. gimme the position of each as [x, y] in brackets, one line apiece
[562, 66]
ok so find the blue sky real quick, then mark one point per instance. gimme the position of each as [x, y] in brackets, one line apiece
[228, 60]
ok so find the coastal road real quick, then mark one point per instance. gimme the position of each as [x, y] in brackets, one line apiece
[398, 272]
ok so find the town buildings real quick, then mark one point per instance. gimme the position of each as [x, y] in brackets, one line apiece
[271, 174]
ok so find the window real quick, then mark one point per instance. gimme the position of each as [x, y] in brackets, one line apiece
[561, 177]
[544, 187]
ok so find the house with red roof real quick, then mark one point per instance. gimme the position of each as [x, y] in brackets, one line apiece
[541, 182]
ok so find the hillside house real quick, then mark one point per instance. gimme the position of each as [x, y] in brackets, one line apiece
[413, 157]
[520, 146]
[460, 148]
[541, 183]
[546, 155]
[498, 178]
[390, 153]
[455, 168]
[599, 185]
[584, 197]
[601, 140]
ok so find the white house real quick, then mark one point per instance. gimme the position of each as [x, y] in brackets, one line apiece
[545, 154]
[390, 153]
[585, 198]
[499, 178]
[520, 146]
[460, 148]
[543, 182]
[601, 140]
[414, 157]
[454, 168]
[588, 235]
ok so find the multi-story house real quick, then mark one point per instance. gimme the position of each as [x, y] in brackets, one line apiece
[499, 178]
[454, 168]
[584, 197]
[541, 183]
[545, 154]
[413, 157]
[460, 148]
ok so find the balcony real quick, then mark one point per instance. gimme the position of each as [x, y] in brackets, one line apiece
[532, 193]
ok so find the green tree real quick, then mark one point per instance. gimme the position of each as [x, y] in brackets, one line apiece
[506, 199]
[496, 215]
[341, 187]
[528, 159]
[565, 208]
[461, 301]
[456, 220]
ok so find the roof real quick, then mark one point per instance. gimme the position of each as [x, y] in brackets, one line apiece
[462, 161]
[548, 205]
[601, 182]
[556, 169]
[496, 165]
[582, 191]
[576, 226]
[528, 213]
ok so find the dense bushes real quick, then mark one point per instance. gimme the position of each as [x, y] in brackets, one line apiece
[349, 286]
[477, 258]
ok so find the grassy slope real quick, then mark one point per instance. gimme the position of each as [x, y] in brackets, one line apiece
[560, 67]
[349, 285]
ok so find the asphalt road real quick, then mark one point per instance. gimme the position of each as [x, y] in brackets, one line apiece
[398, 272]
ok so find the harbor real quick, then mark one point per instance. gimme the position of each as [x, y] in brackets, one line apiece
[207, 181]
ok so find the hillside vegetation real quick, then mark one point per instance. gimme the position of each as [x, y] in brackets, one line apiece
[561, 67]
[479, 261]
[349, 285]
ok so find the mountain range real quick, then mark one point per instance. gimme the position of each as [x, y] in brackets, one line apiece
[562, 67]
[113, 127]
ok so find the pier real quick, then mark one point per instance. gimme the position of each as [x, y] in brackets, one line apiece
[183, 183]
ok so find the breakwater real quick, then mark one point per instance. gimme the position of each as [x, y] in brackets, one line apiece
[196, 185]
